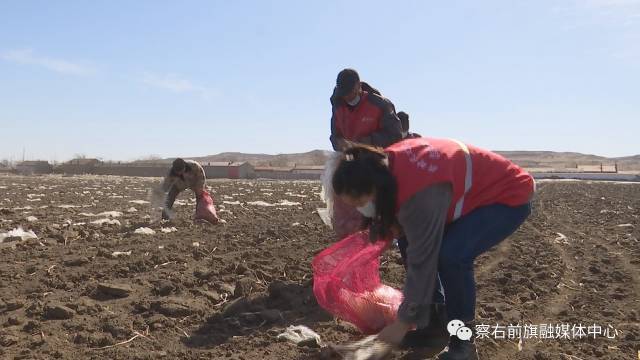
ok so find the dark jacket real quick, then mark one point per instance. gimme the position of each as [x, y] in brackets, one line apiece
[390, 130]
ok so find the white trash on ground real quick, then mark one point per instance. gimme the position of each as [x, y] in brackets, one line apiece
[369, 348]
[18, 233]
[298, 334]
[144, 231]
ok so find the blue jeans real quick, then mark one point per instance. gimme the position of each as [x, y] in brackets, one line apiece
[464, 240]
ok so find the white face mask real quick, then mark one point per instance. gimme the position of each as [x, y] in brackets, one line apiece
[355, 101]
[368, 210]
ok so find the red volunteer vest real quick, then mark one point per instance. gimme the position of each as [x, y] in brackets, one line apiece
[359, 122]
[478, 177]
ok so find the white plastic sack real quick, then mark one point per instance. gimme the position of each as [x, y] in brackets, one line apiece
[300, 333]
[20, 233]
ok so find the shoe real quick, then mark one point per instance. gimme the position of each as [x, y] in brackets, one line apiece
[435, 335]
[459, 350]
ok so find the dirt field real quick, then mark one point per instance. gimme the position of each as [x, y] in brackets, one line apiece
[226, 291]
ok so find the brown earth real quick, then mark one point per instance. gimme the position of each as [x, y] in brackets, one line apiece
[66, 296]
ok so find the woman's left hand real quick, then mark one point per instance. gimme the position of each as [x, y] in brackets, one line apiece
[394, 333]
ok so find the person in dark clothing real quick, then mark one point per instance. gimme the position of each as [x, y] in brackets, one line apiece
[404, 122]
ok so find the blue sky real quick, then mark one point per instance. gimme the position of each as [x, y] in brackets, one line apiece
[126, 79]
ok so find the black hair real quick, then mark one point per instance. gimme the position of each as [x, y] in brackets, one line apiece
[363, 170]
[404, 120]
[178, 165]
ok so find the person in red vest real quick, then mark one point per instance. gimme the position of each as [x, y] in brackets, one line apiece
[453, 202]
[359, 114]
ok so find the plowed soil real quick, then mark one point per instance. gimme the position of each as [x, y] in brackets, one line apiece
[225, 291]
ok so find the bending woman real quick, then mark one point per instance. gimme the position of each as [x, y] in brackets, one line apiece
[453, 202]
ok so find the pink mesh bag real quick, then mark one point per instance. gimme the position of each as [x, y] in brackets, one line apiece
[205, 209]
[346, 283]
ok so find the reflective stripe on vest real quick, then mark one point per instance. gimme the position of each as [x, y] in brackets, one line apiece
[467, 179]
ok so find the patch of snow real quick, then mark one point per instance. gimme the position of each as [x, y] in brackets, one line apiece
[64, 206]
[144, 231]
[139, 202]
[287, 203]
[132, 210]
[113, 214]
[32, 219]
[167, 230]
[259, 203]
[232, 202]
[116, 254]
[106, 221]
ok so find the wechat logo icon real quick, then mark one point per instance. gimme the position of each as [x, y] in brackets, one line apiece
[457, 328]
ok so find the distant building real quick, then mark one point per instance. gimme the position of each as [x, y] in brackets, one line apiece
[78, 166]
[36, 167]
[269, 172]
[5, 169]
[228, 170]
[311, 172]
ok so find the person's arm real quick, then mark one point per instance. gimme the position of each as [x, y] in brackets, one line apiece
[391, 129]
[423, 219]
[337, 141]
[168, 182]
[168, 205]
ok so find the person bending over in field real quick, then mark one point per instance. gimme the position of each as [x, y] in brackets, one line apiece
[188, 174]
[453, 202]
